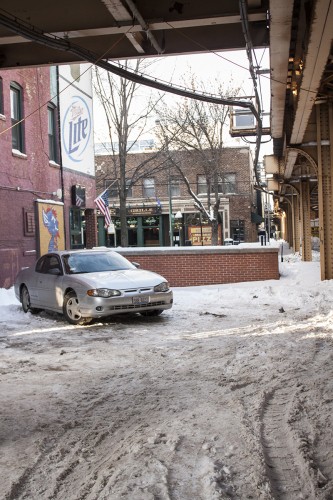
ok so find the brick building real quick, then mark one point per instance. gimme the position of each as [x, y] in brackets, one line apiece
[39, 208]
[149, 205]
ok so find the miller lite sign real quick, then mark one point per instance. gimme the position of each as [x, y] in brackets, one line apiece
[76, 118]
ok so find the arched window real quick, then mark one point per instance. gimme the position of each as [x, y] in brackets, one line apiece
[16, 113]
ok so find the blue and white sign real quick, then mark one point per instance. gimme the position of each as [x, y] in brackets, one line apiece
[76, 118]
[76, 128]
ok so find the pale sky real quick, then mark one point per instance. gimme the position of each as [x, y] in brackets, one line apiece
[230, 66]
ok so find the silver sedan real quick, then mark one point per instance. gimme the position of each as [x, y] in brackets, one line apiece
[86, 284]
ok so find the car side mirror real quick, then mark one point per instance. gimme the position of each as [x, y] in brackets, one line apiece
[136, 264]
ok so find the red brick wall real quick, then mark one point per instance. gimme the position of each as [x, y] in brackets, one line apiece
[194, 267]
[25, 178]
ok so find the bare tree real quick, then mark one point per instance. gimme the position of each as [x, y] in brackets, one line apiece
[128, 116]
[193, 125]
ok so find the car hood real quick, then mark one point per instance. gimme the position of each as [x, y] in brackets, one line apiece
[127, 278]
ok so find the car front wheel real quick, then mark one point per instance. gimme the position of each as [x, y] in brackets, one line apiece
[25, 300]
[71, 309]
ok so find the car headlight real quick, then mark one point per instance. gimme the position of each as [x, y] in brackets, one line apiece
[103, 292]
[162, 287]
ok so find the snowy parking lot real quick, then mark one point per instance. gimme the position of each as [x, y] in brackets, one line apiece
[227, 395]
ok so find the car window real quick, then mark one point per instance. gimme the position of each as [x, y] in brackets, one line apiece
[95, 262]
[49, 264]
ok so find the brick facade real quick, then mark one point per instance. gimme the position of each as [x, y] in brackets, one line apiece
[27, 177]
[236, 206]
[208, 266]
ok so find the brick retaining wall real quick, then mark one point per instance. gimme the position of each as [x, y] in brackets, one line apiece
[195, 266]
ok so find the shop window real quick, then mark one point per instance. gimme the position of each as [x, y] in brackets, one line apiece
[77, 228]
[151, 231]
[149, 188]
[237, 230]
[16, 108]
[52, 132]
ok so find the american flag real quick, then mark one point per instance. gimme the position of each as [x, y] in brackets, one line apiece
[79, 201]
[102, 202]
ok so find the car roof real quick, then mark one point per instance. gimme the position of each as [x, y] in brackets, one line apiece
[80, 251]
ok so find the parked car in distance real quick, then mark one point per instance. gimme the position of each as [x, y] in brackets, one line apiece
[87, 284]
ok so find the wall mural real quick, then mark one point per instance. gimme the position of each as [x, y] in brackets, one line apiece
[51, 232]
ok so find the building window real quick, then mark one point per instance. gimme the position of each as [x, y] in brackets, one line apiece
[229, 183]
[129, 188]
[226, 184]
[201, 184]
[237, 230]
[149, 188]
[16, 107]
[52, 132]
[29, 222]
[112, 186]
[1, 97]
[174, 187]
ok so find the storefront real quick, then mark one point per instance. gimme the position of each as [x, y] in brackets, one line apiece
[199, 230]
[148, 228]
[145, 227]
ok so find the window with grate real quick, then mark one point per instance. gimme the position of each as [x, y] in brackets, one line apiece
[29, 222]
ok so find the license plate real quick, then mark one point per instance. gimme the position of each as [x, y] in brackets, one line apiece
[141, 300]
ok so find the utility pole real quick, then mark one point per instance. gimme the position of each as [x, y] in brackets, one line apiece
[170, 214]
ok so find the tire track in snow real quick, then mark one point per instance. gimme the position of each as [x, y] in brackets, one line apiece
[286, 470]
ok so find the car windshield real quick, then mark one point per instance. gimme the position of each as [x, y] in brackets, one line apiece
[95, 262]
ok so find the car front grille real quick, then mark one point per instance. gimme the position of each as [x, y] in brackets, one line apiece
[136, 306]
[137, 290]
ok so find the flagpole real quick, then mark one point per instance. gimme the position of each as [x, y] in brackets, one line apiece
[170, 215]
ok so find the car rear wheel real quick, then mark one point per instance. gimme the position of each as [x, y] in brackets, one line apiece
[154, 312]
[25, 300]
[71, 309]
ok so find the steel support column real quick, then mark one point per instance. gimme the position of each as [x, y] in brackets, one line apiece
[325, 187]
[305, 220]
[289, 224]
[296, 223]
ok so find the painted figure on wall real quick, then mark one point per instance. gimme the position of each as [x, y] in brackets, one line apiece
[50, 221]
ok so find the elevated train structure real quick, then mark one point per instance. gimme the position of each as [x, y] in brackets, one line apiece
[298, 34]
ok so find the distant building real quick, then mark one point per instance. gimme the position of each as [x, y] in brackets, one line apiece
[47, 179]
[156, 196]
